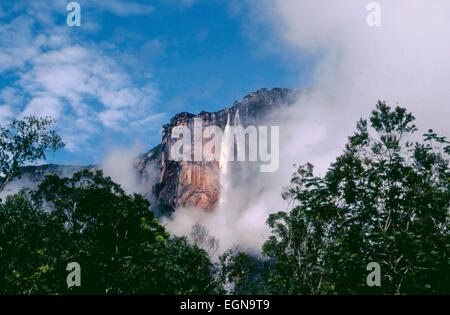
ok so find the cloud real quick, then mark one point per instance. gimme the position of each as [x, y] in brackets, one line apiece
[84, 85]
[404, 62]
[121, 7]
[79, 76]
[5, 114]
[43, 106]
[127, 174]
[17, 42]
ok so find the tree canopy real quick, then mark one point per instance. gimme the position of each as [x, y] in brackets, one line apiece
[114, 237]
[25, 141]
[386, 199]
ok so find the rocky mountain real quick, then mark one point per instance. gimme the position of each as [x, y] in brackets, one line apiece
[180, 184]
[31, 176]
[197, 184]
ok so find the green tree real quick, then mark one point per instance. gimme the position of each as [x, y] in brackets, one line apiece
[24, 231]
[241, 273]
[115, 238]
[385, 199]
[25, 141]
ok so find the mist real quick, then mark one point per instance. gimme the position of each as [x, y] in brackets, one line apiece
[404, 62]
[120, 164]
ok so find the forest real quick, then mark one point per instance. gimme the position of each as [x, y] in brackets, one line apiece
[384, 200]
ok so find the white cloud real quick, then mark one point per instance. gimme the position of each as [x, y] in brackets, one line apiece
[127, 174]
[11, 97]
[80, 83]
[5, 114]
[17, 43]
[81, 75]
[405, 61]
[43, 106]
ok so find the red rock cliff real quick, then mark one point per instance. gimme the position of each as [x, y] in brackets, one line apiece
[196, 184]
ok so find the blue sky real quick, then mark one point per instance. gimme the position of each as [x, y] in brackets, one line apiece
[132, 65]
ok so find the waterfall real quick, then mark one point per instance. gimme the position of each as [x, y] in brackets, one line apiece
[225, 151]
[237, 119]
[224, 161]
[227, 155]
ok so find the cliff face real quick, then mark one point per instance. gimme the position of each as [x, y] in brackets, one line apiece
[197, 184]
[179, 184]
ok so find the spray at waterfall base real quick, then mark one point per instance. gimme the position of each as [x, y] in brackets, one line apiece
[242, 154]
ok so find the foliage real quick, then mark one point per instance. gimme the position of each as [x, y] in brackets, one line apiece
[384, 200]
[25, 141]
[23, 232]
[241, 273]
[115, 238]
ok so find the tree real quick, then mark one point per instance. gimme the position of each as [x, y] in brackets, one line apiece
[241, 273]
[25, 141]
[201, 238]
[115, 238]
[23, 240]
[385, 199]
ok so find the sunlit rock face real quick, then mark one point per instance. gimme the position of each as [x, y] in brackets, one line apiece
[197, 184]
[178, 184]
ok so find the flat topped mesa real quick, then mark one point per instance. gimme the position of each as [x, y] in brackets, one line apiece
[184, 184]
[197, 184]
